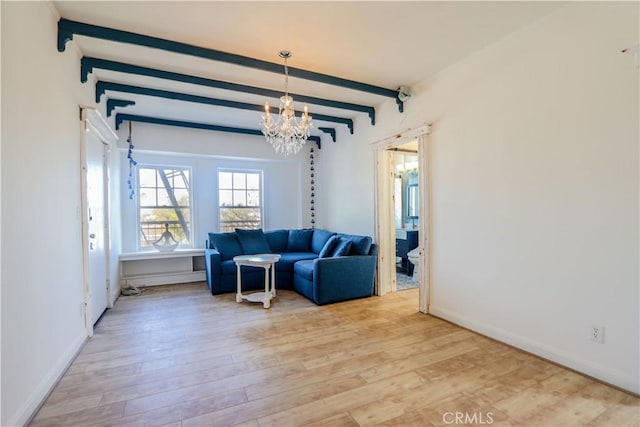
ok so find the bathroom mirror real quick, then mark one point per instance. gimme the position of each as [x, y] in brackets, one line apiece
[413, 206]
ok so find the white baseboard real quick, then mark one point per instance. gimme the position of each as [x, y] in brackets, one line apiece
[164, 279]
[44, 388]
[603, 373]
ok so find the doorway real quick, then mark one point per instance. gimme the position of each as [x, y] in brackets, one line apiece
[415, 208]
[94, 151]
[406, 213]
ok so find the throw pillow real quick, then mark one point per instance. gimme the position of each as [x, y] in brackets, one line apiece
[319, 239]
[253, 241]
[277, 240]
[299, 240]
[328, 248]
[360, 245]
[342, 248]
[226, 243]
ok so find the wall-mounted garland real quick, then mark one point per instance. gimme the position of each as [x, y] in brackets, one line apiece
[132, 164]
[313, 188]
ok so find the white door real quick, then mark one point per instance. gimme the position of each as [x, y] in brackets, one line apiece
[96, 220]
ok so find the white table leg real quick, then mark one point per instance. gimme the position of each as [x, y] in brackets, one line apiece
[273, 280]
[239, 286]
[267, 295]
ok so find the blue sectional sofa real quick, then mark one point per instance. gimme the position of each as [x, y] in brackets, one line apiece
[323, 266]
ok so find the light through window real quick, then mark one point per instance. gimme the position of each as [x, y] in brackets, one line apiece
[240, 199]
[164, 199]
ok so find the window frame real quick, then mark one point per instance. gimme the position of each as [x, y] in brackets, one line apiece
[138, 227]
[245, 171]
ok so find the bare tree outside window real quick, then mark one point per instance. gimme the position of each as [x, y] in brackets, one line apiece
[164, 198]
[240, 199]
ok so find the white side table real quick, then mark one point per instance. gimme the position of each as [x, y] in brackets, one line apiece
[265, 261]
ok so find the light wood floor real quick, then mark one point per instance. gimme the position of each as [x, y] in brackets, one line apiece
[177, 356]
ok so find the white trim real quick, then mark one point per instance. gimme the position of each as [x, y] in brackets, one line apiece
[401, 138]
[603, 373]
[164, 279]
[424, 222]
[92, 121]
[95, 122]
[39, 395]
[384, 225]
[178, 253]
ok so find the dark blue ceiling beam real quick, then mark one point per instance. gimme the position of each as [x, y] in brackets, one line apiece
[113, 103]
[67, 29]
[87, 64]
[120, 117]
[330, 131]
[102, 87]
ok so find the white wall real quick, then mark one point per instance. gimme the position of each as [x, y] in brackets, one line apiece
[42, 321]
[286, 179]
[344, 181]
[534, 188]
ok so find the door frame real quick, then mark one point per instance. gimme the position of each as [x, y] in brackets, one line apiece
[384, 214]
[91, 121]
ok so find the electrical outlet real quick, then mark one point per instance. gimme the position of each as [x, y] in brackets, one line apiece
[597, 334]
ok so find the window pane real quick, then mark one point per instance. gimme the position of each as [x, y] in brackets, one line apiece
[226, 198]
[239, 180]
[147, 177]
[253, 198]
[239, 198]
[147, 196]
[253, 181]
[182, 197]
[240, 217]
[163, 198]
[224, 180]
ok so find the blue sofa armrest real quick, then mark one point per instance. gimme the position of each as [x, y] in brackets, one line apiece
[343, 278]
[213, 269]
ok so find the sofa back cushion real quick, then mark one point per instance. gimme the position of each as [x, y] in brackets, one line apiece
[299, 240]
[360, 245]
[327, 249]
[277, 240]
[319, 238]
[226, 243]
[342, 248]
[253, 241]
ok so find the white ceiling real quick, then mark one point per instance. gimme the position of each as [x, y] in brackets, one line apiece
[386, 44]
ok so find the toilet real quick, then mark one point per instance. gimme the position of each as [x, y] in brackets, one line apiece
[414, 258]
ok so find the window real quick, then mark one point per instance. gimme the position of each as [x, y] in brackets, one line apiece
[165, 198]
[240, 199]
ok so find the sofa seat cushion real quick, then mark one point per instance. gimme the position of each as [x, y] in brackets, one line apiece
[304, 269]
[288, 259]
